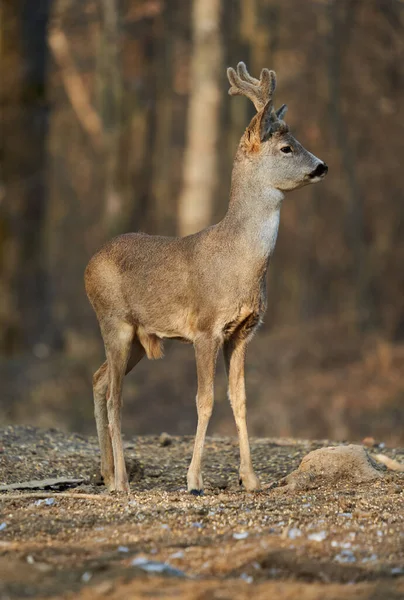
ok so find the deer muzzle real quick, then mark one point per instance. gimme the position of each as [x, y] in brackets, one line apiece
[319, 172]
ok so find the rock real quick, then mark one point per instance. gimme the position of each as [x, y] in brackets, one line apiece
[47, 501]
[369, 442]
[293, 533]
[345, 556]
[331, 466]
[318, 536]
[242, 535]
[165, 439]
[152, 566]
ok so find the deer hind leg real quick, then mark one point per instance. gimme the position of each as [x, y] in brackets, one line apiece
[206, 350]
[100, 388]
[234, 357]
[118, 341]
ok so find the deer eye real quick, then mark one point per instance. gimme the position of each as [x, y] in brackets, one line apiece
[286, 149]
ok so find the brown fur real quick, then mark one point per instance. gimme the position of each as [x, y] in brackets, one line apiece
[208, 288]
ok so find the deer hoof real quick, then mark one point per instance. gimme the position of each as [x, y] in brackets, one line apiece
[122, 488]
[250, 482]
[194, 482]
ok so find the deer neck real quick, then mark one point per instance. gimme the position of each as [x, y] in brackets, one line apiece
[253, 213]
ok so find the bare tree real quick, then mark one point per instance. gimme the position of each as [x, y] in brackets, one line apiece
[339, 32]
[111, 109]
[201, 160]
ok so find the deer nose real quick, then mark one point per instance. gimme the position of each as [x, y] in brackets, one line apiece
[320, 171]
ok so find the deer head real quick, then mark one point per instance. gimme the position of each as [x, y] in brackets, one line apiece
[276, 155]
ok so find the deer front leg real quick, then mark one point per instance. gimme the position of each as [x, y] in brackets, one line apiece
[206, 350]
[234, 356]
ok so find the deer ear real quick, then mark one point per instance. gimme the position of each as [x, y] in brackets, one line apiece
[281, 112]
[268, 118]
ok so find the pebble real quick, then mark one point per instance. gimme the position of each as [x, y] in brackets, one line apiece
[294, 533]
[336, 544]
[345, 556]
[369, 442]
[242, 535]
[178, 554]
[165, 439]
[370, 558]
[47, 501]
[319, 536]
[151, 566]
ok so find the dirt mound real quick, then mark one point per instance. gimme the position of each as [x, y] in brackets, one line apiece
[335, 465]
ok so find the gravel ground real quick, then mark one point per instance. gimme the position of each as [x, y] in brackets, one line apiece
[159, 542]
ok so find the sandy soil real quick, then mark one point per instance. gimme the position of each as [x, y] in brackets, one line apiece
[323, 543]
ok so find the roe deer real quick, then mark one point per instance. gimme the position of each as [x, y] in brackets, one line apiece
[208, 289]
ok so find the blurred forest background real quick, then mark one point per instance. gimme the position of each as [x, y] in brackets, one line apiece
[115, 117]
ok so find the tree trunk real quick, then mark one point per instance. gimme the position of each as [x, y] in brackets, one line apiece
[110, 89]
[23, 124]
[201, 155]
[356, 228]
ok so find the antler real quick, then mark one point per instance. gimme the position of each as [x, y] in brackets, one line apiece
[259, 91]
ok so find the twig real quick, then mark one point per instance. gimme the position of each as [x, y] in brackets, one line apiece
[57, 495]
[390, 463]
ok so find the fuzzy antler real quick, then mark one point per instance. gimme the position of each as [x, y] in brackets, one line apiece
[259, 91]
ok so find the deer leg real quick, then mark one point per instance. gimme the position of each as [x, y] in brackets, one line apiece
[234, 357]
[100, 387]
[206, 350]
[118, 346]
